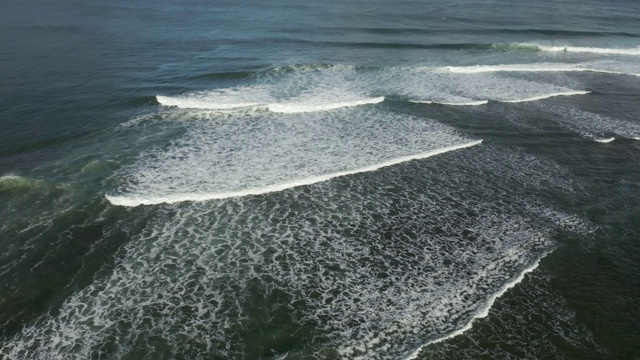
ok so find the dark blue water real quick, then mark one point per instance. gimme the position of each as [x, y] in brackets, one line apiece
[281, 180]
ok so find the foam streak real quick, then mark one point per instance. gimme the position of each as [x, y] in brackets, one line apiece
[540, 67]
[540, 97]
[135, 201]
[298, 108]
[469, 103]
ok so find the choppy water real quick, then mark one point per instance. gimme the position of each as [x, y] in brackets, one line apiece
[281, 180]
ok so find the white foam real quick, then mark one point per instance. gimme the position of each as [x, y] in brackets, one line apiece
[277, 107]
[545, 96]
[315, 89]
[294, 107]
[239, 154]
[471, 86]
[607, 140]
[484, 312]
[374, 263]
[306, 88]
[135, 201]
[636, 138]
[533, 67]
[469, 103]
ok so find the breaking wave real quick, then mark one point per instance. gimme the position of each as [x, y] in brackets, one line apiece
[546, 96]
[266, 152]
[128, 201]
[285, 107]
[318, 87]
[291, 89]
[533, 67]
[373, 264]
[468, 103]
[289, 108]
[607, 140]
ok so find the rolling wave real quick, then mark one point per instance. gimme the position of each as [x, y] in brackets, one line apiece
[321, 87]
[288, 89]
[135, 201]
[15, 181]
[376, 264]
[518, 100]
[265, 152]
[290, 108]
[10, 184]
[607, 140]
[533, 67]
[468, 103]
[278, 107]
[546, 96]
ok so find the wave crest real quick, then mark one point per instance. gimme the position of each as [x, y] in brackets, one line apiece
[135, 201]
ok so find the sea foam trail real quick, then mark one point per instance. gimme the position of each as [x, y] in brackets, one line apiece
[135, 201]
[376, 264]
[484, 312]
[467, 86]
[534, 67]
[230, 153]
[545, 96]
[293, 107]
[277, 107]
[469, 103]
[483, 102]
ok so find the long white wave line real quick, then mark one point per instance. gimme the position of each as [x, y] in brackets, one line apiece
[484, 312]
[546, 96]
[469, 103]
[607, 140]
[301, 107]
[135, 201]
[186, 103]
[476, 69]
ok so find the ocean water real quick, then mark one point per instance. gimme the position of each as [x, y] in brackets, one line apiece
[326, 180]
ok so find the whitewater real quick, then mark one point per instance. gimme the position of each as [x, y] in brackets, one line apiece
[288, 180]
